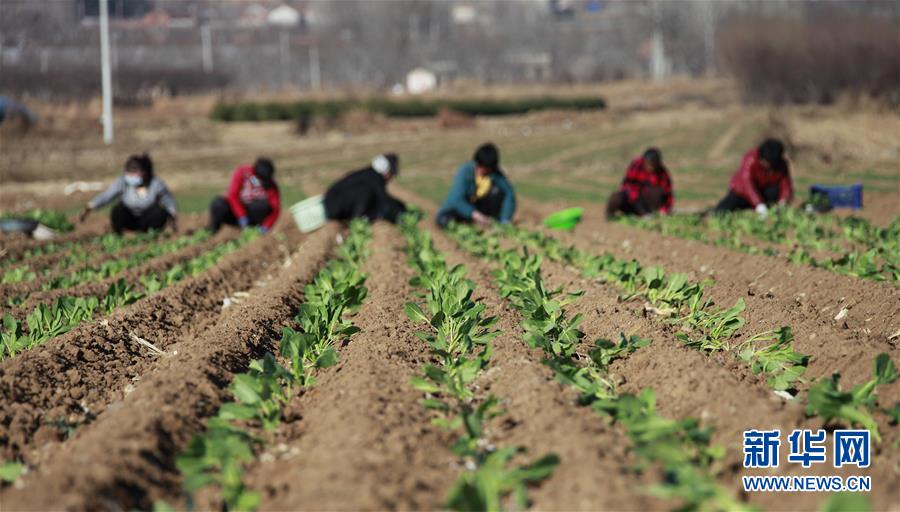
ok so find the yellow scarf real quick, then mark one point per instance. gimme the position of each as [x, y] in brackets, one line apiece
[482, 187]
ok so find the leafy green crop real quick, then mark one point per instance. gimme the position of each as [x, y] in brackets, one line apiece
[779, 360]
[460, 338]
[218, 455]
[827, 398]
[52, 219]
[110, 268]
[863, 250]
[680, 447]
[65, 313]
[673, 296]
[483, 488]
[10, 471]
[216, 458]
[18, 275]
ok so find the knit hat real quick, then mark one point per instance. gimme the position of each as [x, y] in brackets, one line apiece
[384, 164]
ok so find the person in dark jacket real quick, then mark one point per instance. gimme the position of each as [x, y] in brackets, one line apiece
[145, 202]
[252, 198]
[363, 193]
[762, 180]
[647, 187]
[480, 192]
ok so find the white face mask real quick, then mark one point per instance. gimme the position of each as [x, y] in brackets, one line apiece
[133, 180]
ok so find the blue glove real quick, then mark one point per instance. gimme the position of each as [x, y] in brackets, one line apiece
[263, 230]
[243, 221]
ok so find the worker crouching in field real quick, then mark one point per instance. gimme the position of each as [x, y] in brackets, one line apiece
[480, 192]
[145, 204]
[762, 180]
[252, 199]
[363, 193]
[647, 187]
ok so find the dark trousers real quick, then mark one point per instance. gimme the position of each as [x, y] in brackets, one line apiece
[650, 200]
[732, 201]
[220, 213]
[123, 218]
[393, 208]
[489, 205]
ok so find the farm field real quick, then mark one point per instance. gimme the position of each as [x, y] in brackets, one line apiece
[614, 367]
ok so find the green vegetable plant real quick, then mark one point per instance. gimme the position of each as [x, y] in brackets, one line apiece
[459, 335]
[778, 360]
[680, 447]
[677, 299]
[18, 275]
[859, 248]
[52, 219]
[10, 471]
[828, 399]
[217, 456]
[110, 268]
[45, 321]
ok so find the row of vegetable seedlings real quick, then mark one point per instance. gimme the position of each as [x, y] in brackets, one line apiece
[218, 456]
[459, 336]
[75, 252]
[677, 300]
[112, 267]
[769, 353]
[681, 447]
[655, 438]
[863, 250]
[46, 321]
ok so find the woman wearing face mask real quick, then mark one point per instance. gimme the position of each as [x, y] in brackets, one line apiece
[145, 201]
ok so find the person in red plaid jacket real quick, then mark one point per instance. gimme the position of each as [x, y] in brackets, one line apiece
[647, 187]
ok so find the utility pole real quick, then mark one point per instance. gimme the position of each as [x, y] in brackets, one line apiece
[285, 58]
[206, 46]
[106, 73]
[315, 73]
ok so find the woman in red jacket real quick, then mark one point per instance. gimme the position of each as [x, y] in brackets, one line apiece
[252, 199]
[762, 180]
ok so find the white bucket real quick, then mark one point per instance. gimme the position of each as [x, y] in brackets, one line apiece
[309, 214]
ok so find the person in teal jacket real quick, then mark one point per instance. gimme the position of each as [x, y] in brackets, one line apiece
[480, 192]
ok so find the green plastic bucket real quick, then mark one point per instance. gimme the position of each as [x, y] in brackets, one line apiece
[564, 219]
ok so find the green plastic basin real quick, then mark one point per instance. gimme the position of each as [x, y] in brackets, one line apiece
[564, 219]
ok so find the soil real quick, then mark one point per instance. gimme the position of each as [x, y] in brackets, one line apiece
[362, 421]
[71, 378]
[360, 440]
[52, 261]
[139, 432]
[718, 389]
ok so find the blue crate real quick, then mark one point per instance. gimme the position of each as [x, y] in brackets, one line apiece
[850, 196]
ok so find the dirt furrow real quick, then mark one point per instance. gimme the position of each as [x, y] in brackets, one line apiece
[715, 389]
[596, 469]
[131, 275]
[139, 436]
[776, 293]
[96, 257]
[362, 422]
[49, 390]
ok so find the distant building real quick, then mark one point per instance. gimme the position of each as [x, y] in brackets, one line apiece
[420, 80]
[284, 16]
